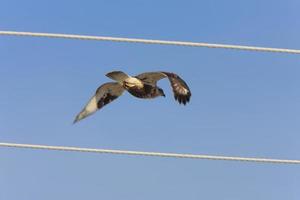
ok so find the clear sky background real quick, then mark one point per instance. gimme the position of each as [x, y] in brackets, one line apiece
[243, 103]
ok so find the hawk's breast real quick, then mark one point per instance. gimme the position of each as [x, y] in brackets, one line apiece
[145, 92]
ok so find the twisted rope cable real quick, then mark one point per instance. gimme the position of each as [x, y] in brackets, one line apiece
[143, 153]
[147, 41]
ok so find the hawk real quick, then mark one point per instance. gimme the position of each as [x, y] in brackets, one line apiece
[141, 86]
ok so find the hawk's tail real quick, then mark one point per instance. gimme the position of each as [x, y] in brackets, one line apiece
[118, 76]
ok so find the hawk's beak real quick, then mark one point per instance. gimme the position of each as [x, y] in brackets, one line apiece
[163, 95]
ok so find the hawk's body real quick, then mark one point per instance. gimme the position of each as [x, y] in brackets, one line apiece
[142, 86]
[146, 92]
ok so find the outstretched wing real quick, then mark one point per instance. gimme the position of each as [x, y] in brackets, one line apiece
[105, 94]
[181, 90]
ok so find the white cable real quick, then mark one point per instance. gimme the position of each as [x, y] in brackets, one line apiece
[142, 153]
[147, 41]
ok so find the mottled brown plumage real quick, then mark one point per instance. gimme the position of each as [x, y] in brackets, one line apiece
[181, 90]
[141, 86]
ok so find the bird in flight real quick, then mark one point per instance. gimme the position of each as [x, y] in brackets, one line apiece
[141, 86]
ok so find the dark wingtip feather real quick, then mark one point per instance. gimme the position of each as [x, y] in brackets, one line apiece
[76, 119]
[182, 99]
[188, 98]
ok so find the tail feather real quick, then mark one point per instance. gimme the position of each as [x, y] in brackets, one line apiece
[118, 76]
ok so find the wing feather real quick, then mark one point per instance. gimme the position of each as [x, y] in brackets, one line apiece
[181, 90]
[105, 94]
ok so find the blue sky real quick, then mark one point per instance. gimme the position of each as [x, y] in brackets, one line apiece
[243, 103]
